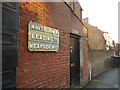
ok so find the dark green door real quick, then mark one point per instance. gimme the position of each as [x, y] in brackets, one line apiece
[74, 61]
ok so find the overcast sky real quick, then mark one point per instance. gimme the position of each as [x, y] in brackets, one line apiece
[102, 13]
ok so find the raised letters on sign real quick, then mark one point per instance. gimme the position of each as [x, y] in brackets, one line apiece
[42, 38]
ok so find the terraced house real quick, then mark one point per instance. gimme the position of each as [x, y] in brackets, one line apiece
[45, 45]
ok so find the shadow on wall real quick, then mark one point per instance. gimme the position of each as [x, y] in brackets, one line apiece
[108, 62]
[100, 61]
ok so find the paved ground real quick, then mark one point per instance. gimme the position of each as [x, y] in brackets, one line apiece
[108, 79]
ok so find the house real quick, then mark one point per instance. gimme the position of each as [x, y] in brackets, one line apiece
[95, 37]
[49, 45]
[99, 58]
[110, 44]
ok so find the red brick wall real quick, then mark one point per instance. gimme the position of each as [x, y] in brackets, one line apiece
[61, 16]
[41, 69]
[47, 69]
[85, 61]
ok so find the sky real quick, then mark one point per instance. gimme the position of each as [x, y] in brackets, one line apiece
[102, 13]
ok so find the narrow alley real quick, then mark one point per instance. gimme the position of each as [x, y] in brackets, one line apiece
[49, 44]
[108, 79]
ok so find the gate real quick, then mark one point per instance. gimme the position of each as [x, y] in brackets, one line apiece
[10, 27]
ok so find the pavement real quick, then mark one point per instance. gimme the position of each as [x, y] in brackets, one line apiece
[108, 79]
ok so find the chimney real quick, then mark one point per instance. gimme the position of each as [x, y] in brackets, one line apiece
[85, 20]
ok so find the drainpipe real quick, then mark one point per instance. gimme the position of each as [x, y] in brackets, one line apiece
[90, 72]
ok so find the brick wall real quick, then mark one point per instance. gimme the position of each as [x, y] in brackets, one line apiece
[78, 10]
[100, 61]
[62, 17]
[41, 69]
[75, 6]
[84, 69]
[85, 61]
[47, 69]
[99, 58]
[95, 37]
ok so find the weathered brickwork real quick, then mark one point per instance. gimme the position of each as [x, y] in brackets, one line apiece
[48, 69]
[41, 69]
[96, 39]
[84, 68]
[85, 61]
[75, 6]
[99, 59]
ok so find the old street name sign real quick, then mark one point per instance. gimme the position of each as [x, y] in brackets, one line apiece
[42, 38]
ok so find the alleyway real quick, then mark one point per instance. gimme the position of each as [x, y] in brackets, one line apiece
[108, 79]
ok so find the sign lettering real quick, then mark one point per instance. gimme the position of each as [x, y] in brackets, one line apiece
[42, 38]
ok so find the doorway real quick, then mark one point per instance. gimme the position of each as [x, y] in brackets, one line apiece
[74, 60]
